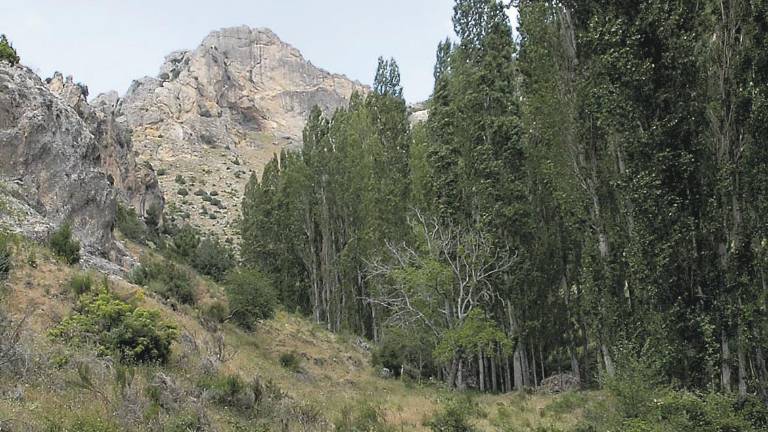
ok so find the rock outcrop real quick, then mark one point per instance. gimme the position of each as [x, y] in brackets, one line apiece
[220, 111]
[50, 171]
[136, 184]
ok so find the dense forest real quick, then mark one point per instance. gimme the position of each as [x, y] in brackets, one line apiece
[589, 192]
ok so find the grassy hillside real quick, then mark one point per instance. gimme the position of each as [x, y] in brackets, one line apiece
[289, 374]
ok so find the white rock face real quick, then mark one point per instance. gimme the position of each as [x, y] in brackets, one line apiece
[50, 171]
[220, 111]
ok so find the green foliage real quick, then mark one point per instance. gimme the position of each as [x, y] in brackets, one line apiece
[290, 361]
[232, 391]
[362, 416]
[64, 245]
[251, 297]
[132, 334]
[182, 192]
[6, 256]
[406, 349]
[454, 415]
[180, 180]
[7, 52]
[79, 422]
[128, 223]
[217, 311]
[212, 258]
[185, 241]
[80, 284]
[166, 278]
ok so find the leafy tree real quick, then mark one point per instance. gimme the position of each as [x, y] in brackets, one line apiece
[7, 52]
[251, 297]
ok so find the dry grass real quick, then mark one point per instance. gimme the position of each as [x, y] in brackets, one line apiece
[334, 373]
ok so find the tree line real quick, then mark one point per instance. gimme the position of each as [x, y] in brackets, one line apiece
[587, 190]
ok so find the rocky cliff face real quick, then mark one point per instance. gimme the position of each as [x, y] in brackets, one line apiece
[135, 184]
[50, 170]
[220, 111]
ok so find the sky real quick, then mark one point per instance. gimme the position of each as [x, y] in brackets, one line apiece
[106, 44]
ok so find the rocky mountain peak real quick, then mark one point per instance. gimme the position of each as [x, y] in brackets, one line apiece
[217, 112]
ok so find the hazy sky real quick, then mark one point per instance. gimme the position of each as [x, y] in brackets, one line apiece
[108, 43]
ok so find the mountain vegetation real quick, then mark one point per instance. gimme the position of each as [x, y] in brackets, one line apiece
[587, 198]
[573, 239]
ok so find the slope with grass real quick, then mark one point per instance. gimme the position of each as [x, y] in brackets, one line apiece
[288, 374]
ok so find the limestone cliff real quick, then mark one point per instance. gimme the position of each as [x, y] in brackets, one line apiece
[50, 171]
[220, 111]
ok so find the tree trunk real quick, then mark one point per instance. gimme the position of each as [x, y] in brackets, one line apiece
[574, 364]
[541, 362]
[725, 365]
[762, 372]
[533, 366]
[459, 375]
[507, 375]
[494, 382]
[518, 368]
[481, 370]
[741, 358]
[610, 369]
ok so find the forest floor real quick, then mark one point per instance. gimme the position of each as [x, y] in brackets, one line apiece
[334, 371]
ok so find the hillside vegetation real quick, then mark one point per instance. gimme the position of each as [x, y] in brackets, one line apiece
[288, 374]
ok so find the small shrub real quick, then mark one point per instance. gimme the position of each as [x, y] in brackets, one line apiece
[290, 361]
[6, 256]
[216, 311]
[180, 180]
[454, 416]
[128, 223]
[362, 417]
[213, 193]
[79, 423]
[164, 278]
[182, 192]
[80, 284]
[7, 52]
[200, 192]
[185, 241]
[133, 334]
[230, 391]
[64, 246]
[251, 297]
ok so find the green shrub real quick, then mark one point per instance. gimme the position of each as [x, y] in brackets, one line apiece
[161, 172]
[133, 334]
[200, 192]
[79, 423]
[64, 246]
[251, 297]
[454, 416]
[80, 284]
[6, 256]
[185, 422]
[128, 223]
[213, 259]
[180, 180]
[182, 192]
[216, 311]
[361, 417]
[165, 278]
[290, 361]
[185, 241]
[7, 52]
[153, 217]
[230, 391]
